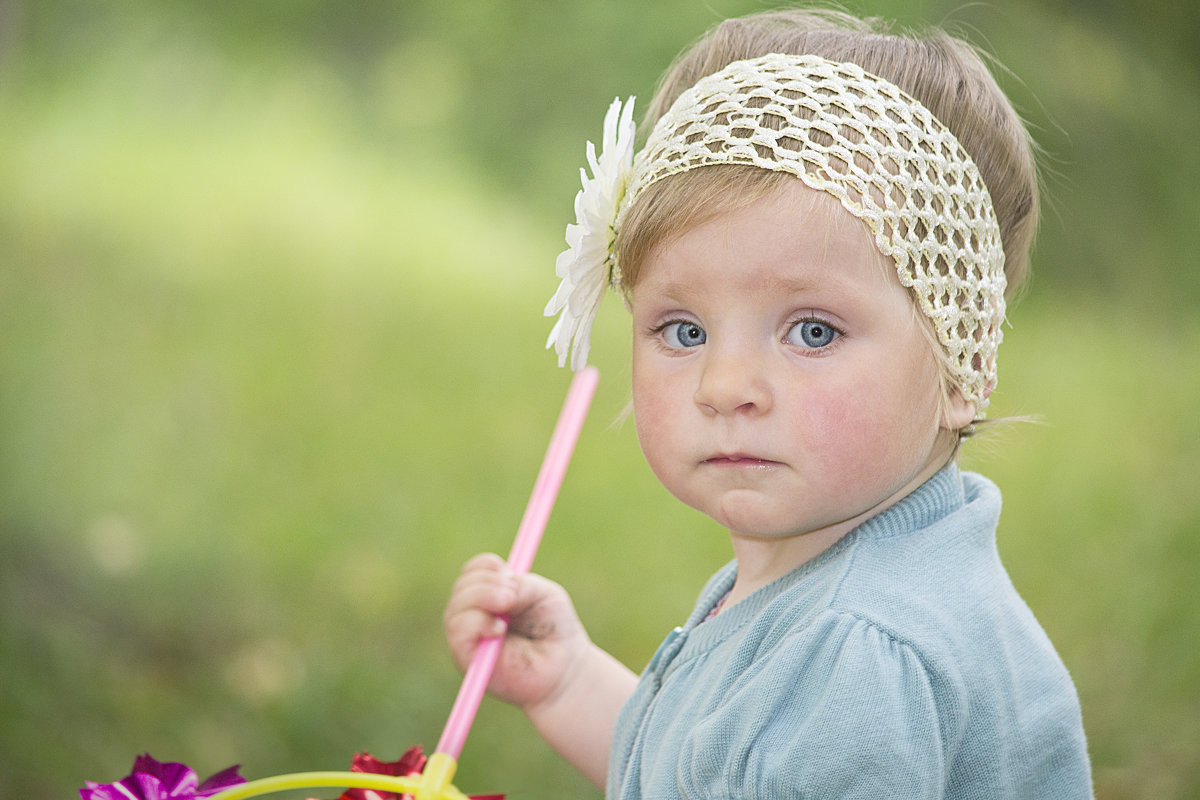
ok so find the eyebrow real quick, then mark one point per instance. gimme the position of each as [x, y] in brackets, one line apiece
[777, 284]
[785, 285]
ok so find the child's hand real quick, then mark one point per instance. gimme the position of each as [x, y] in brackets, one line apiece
[571, 690]
[545, 638]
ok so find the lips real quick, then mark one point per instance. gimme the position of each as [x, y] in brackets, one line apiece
[739, 460]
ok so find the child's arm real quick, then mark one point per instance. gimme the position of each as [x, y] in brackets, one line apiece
[569, 688]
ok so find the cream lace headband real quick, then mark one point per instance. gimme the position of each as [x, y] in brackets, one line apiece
[840, 130]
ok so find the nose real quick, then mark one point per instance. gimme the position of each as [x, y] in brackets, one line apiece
[733, 382]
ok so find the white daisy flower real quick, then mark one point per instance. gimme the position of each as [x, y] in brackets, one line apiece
[585, 267]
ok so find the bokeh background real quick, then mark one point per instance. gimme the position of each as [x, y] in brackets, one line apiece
[271, 369]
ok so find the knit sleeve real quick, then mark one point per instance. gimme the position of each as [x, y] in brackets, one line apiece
[844, 711]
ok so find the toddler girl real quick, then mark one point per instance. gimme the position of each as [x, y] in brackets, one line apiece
[815, 244]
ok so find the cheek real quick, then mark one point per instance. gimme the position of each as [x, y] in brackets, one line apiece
[907, 409]
[918, 395]
[868, 424]
[651, 412]
[847, 424]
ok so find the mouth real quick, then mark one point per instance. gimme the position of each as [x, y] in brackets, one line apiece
[739, 460]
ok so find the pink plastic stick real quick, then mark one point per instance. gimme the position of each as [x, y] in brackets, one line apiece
[520, 558]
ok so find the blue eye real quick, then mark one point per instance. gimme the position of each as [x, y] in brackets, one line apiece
[684, 334]
[812, 333]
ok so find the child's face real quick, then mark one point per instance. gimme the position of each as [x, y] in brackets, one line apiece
[782, 383]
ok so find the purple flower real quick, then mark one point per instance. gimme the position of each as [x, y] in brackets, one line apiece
[153, 780]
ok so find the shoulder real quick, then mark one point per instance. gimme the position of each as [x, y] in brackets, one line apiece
[933, 586]
[852, 662]
[925, 570]
[873, 704]
[840, 708]
[892, 680]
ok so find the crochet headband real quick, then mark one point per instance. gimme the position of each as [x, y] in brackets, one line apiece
[840, 130]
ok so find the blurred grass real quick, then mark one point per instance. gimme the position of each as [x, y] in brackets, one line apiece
[268, 377]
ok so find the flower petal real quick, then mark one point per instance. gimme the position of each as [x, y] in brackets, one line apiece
[106, 791]
[411, 763]
[151, 779]
[177, 779]
[585, 268]
[220, 781]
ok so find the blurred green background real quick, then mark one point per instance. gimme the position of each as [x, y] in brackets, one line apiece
[271, 278]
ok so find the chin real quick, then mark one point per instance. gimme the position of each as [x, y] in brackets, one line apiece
[748, 517]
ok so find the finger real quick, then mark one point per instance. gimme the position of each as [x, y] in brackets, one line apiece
[541, 610]
[466, 631]
[486, 568]
[467, 628]
[494, 592]
[533, 590]
[487, 562]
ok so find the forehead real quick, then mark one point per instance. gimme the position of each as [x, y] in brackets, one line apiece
[791, 235]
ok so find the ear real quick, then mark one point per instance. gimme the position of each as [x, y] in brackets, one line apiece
[957, 411]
